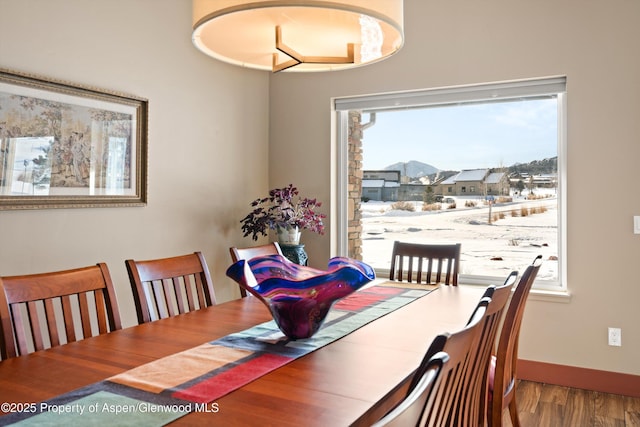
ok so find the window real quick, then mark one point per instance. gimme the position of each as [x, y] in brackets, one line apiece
[506, 140]
[26, 169]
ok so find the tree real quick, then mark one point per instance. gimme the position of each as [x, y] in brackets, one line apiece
[429, 197]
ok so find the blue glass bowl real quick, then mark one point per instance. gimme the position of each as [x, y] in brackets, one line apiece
[300, 297]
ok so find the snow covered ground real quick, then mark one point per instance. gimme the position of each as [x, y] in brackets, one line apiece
[495, 249]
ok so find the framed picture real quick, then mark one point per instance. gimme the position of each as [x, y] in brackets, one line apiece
[68, 146]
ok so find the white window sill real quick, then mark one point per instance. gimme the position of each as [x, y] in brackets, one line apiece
[550, 296]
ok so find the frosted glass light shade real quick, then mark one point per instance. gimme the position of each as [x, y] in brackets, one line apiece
[313, 35]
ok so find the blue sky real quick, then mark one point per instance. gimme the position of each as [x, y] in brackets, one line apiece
[464, 137]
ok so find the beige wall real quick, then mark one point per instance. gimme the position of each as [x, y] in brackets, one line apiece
[458, 42]
[209, 126]
[208, 132]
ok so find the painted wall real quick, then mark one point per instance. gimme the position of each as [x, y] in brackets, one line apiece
[594, 44]
[208, 135]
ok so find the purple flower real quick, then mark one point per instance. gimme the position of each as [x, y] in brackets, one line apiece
[283, 208]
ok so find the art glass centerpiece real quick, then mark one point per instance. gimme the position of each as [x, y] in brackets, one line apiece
[300, 297]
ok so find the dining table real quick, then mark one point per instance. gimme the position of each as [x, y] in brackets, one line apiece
[352, 381]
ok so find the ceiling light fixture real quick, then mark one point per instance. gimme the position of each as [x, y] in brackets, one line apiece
[304, 35]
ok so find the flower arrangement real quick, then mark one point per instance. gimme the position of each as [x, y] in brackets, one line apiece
[283, 209]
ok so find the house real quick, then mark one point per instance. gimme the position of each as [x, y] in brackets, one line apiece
[380, 185]
[387, 186]
[221, 135]
[540, 180]
[474, 182]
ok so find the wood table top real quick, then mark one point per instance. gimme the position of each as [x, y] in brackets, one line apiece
[352, 381]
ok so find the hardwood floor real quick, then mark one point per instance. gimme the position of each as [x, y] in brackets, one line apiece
[545, 405]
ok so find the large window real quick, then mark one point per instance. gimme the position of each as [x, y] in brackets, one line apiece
[480, 165]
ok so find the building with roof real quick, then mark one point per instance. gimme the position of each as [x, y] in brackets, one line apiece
[387, 186]
[474, 182]
[382, 185]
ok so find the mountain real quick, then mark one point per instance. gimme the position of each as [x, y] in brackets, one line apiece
[413, 168]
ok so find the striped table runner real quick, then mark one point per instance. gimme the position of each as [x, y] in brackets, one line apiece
[164, 390]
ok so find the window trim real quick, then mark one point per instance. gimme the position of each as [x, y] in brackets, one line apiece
[480, 93]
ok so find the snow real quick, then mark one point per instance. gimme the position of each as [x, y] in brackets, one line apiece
[495, 249]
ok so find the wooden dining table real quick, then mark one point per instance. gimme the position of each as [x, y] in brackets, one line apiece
[352, 381]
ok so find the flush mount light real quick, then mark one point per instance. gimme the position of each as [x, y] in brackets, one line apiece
[300, 35]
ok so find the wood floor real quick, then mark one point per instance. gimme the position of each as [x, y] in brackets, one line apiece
[544, 405]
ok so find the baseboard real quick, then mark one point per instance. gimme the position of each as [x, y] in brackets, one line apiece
[571, 376]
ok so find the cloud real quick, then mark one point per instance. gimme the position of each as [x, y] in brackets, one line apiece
[527, 115]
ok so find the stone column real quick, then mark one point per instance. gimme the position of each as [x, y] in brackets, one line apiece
[355, 185]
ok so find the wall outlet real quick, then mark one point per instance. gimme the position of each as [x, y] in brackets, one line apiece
[615, 337]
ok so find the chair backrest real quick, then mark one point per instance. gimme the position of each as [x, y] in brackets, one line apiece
[425, 263]
[251, 252]
[421, 397]
[170, 286]
[473, 412]
[36, 308]
[504, 373]
[455, 376]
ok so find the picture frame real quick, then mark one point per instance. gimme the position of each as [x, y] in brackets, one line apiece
[69, 146]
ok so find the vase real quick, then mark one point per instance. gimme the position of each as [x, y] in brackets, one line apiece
[298, 297]
[289, 235]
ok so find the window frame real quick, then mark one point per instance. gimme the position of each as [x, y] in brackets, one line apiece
[479, 93]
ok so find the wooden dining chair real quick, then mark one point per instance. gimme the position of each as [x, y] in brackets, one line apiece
[170, 286]
[425, 263]
[502, 368]
[252, 252]
[39, 311]
[421, 398]
[474, 398]
[455, 375]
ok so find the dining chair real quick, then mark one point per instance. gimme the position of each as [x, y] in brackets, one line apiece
[252, 252]
[425, 263]
[421, 398]
[474, 397]
[167, 287]
[502, 368]
[455, 374]
[39, 311]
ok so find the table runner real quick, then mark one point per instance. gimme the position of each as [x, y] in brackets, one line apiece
[164, 390]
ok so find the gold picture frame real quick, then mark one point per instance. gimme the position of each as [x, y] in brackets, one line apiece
[70, 146]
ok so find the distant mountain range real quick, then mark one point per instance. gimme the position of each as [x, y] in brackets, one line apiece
[416, 169]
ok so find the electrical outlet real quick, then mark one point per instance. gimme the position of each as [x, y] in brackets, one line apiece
[615, 337]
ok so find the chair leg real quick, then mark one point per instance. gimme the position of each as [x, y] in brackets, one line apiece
[513, 412]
